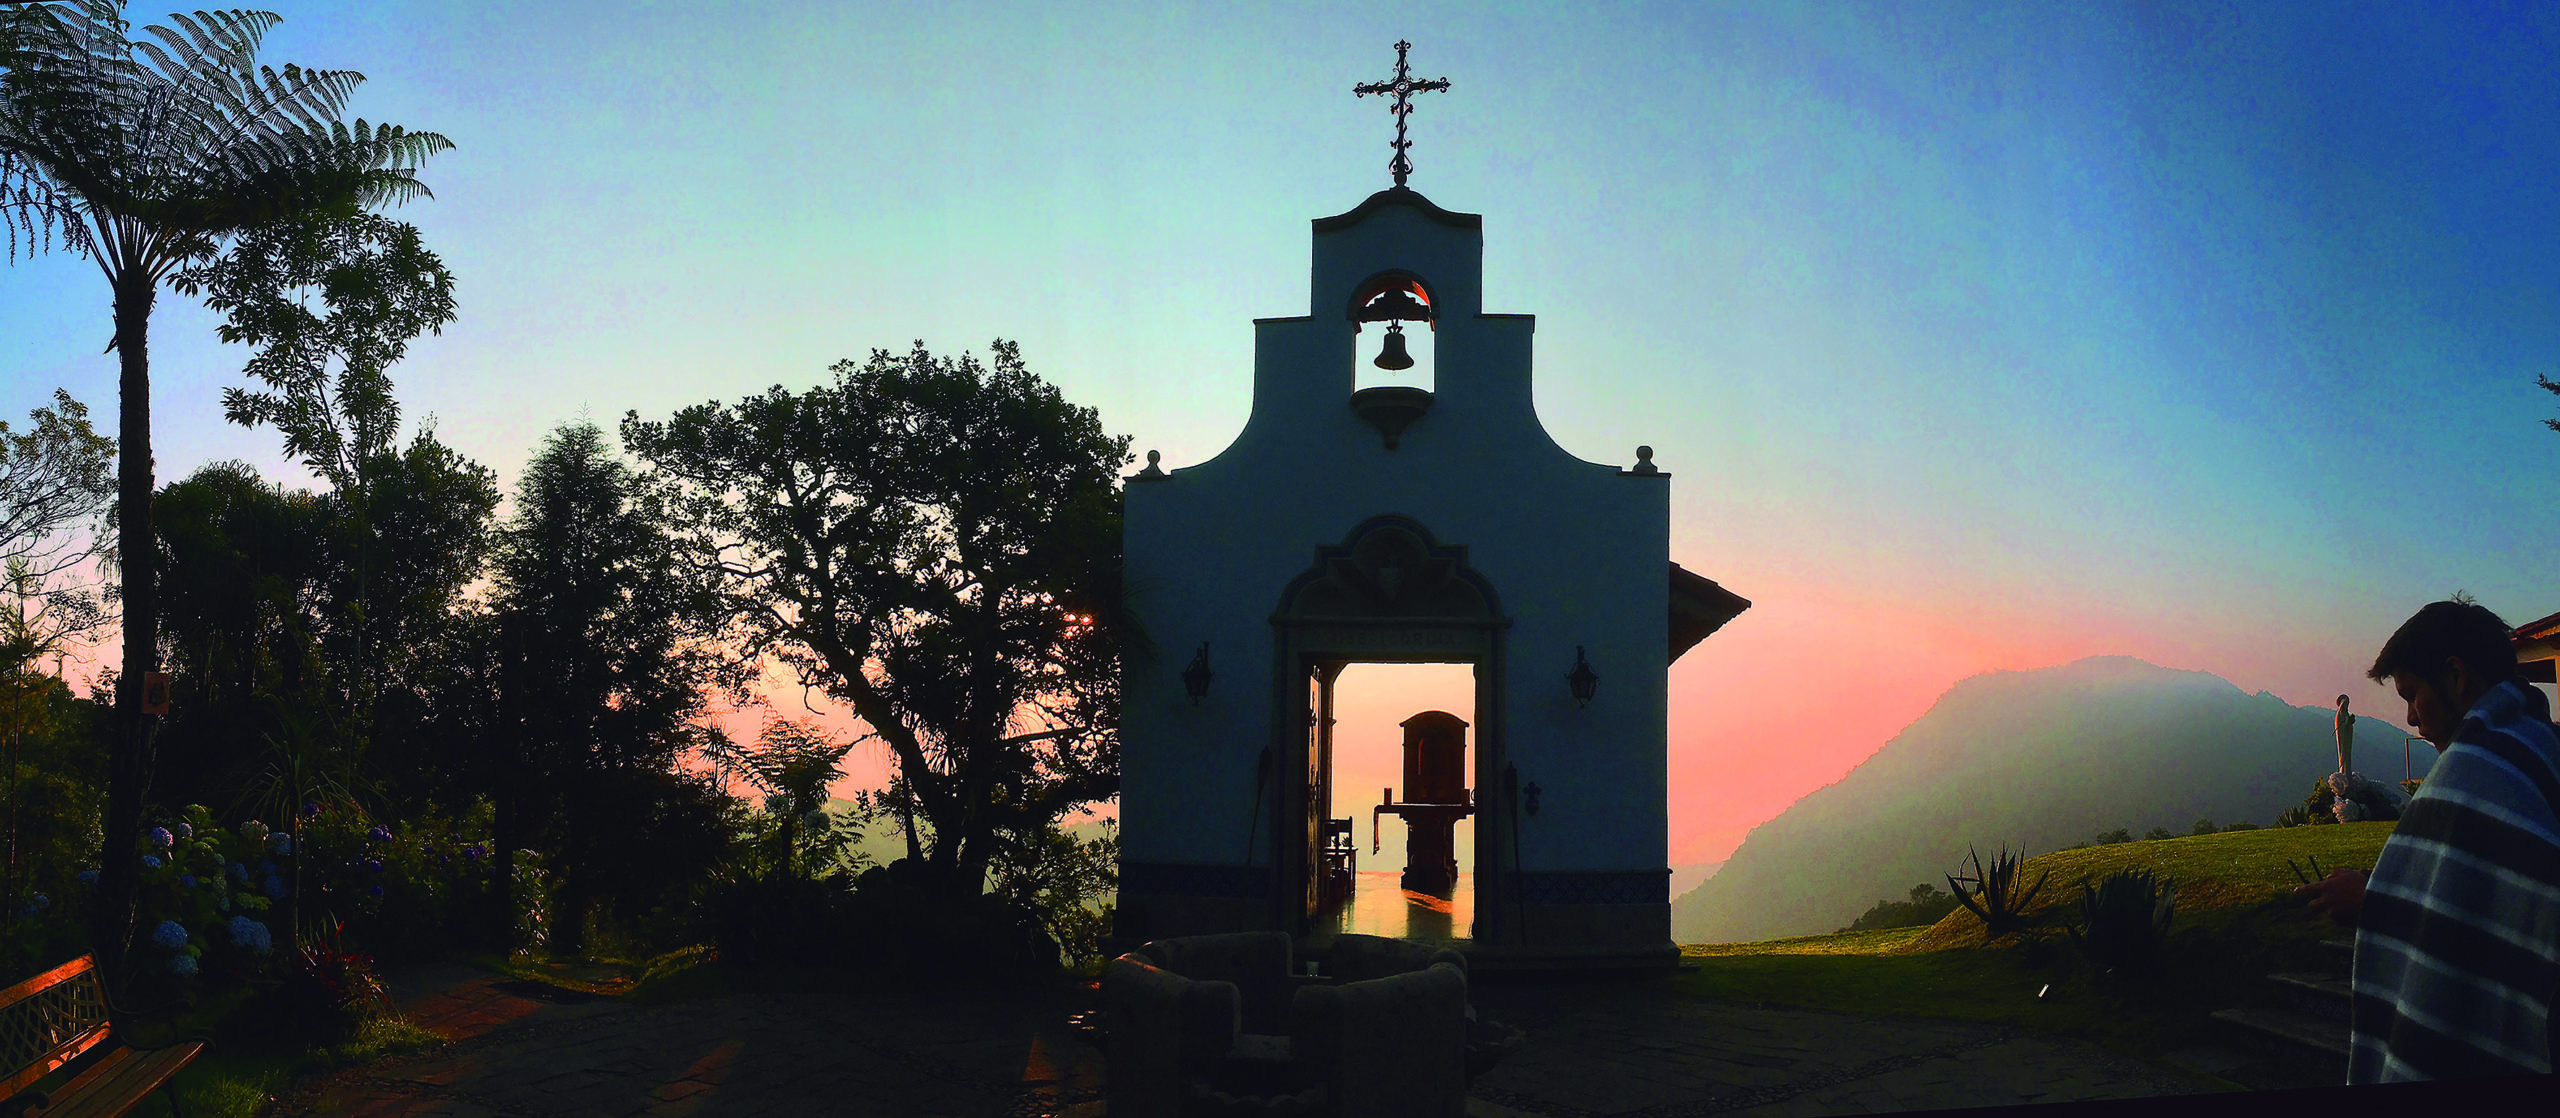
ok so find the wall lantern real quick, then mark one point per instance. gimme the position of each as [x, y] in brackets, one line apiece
[1582, 679]
[1195, 679]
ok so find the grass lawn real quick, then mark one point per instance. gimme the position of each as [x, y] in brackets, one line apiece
[2237, 920]
[240, 1074]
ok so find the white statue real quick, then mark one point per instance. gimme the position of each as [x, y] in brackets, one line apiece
[2352, 798]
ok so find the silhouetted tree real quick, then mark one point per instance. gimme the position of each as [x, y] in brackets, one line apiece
[144, 153]
[2551, 386]
[326, 387]
[55, 477]
[55, 778]
[792, 763]
[591, 584]
[934, 542]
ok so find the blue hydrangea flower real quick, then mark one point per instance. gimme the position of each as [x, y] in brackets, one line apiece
[284, 843]
[267, 867]
[375, 891]
[151, 861]
[186, 881]
[275, 886]
[184, 966]
[474, 852]
[239, 873]
[88, 877]
[170, 933]
[444, 859]
[251, 934]
[161, 838]
[380, 833]
[186, 830]
[374, 864]
[311, 811]
[35, 904]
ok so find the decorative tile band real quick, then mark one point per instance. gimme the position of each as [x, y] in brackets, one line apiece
[1596, 887]
[1174, 879]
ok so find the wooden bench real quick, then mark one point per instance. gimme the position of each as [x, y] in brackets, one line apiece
[64, 1015]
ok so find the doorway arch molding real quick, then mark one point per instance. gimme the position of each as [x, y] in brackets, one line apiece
[1390, 592]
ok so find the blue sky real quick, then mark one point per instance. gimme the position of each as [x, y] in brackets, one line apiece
[1976, 336]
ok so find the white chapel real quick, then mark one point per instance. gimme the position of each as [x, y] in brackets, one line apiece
[1402, 524]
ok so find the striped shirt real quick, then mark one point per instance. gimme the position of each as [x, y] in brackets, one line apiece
[2457, 958]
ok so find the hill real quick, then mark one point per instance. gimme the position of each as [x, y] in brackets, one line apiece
[881, 841]
[2043, 759]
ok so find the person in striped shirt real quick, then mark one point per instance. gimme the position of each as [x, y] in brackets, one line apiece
[2457, 958]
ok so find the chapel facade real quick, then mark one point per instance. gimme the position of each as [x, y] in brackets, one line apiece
[1404, 525]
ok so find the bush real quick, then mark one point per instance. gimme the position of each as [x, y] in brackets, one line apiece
[2124, 919]
[895, 924]
[2203, 827]
[780, 918]
[1069, 882]
[915, 925]
[2107, 838]
[328, 993]
[205, 898]
[2320, 806]
[1927, 904]
[398, 887]
[2157, 833]
[1995, 895]
[2227, 828]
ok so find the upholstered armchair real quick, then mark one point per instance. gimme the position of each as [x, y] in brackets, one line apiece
[1218, 1025]
[1164, 1033]
[1258, 963]
[1389, 1047]
[1358, 958]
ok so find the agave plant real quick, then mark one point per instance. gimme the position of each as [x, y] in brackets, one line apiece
[2124, 919]
[1993, 894]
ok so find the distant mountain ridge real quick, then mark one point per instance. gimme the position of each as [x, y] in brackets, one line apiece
[2043, 758]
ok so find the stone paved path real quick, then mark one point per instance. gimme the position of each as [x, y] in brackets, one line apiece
[1631, 1049]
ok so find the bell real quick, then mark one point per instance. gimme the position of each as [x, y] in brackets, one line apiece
[1393, 357]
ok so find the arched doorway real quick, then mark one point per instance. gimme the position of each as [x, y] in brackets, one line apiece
[1388, 594]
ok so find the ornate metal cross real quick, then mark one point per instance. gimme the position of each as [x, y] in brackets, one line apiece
[1404, 87]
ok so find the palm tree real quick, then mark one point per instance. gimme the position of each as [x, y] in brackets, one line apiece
[144, 153]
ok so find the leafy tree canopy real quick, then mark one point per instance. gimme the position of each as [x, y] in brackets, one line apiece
[933, 541]
[54, 478]
[142, 151]
[601, 614]
[327, 376]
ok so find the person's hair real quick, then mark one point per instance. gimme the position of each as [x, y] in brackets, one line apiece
[2440, 630]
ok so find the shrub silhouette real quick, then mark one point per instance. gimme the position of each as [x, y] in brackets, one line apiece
[2124, 919]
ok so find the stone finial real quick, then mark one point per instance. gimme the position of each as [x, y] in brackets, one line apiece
[1154, 470]
[1644, 462]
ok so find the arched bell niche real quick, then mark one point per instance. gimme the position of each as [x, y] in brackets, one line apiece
[1395, 355]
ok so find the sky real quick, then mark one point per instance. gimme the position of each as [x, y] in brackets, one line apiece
[1976, 336]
